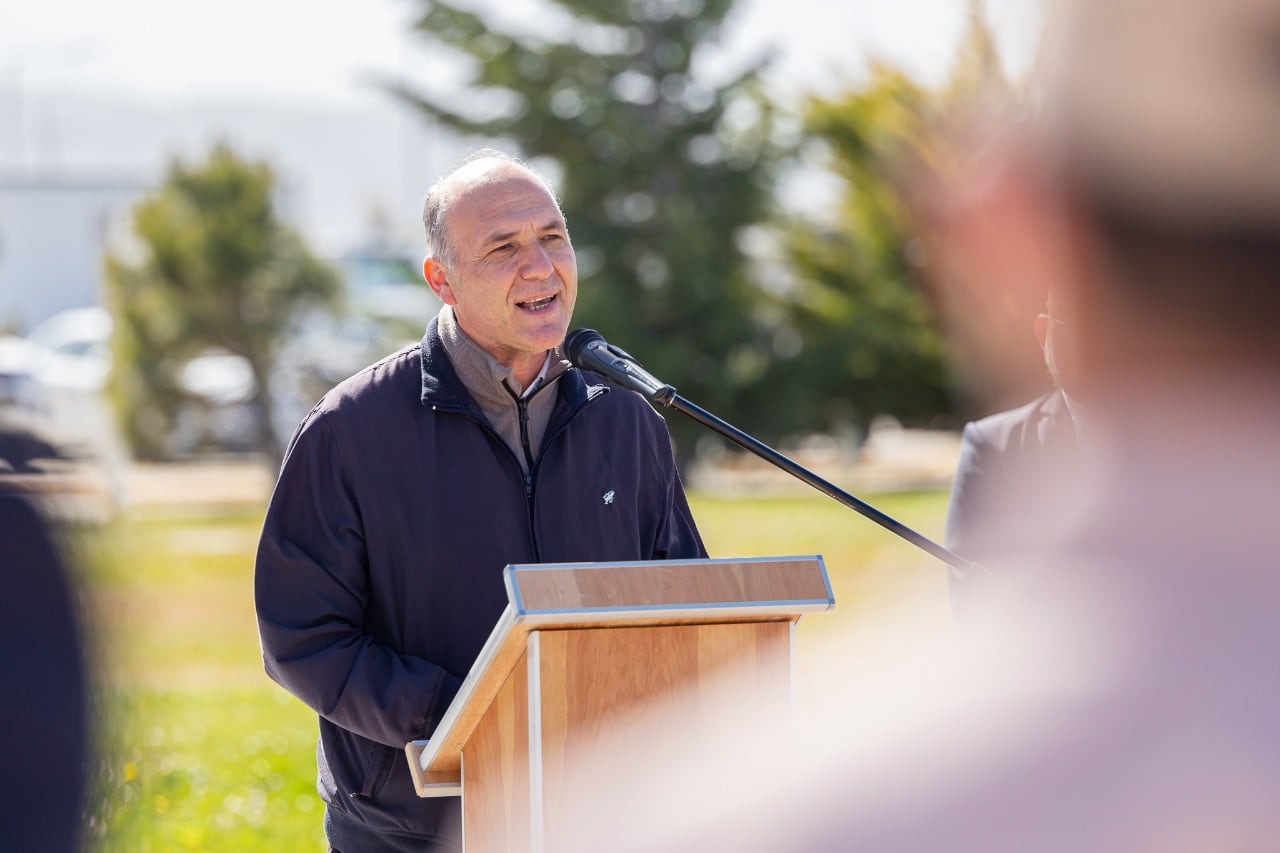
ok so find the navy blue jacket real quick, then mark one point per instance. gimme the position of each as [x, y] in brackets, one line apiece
[379, 572]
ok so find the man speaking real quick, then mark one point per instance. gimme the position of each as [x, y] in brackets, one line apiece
[411, 485]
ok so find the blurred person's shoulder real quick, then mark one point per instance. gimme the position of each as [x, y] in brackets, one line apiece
[1031, 424]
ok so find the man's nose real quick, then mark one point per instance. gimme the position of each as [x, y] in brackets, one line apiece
[536, 264]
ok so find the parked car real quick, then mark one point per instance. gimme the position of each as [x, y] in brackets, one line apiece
[54, 381]
[52, 378]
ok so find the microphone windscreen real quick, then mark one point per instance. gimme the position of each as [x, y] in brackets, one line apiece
[577, 341]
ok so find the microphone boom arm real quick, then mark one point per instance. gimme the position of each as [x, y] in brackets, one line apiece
[768, 454]
[586, 348]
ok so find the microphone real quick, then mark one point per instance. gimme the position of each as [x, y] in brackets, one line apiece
[588, 350]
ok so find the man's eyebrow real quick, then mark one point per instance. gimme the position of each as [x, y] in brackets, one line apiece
[504, 236]
[499, 237]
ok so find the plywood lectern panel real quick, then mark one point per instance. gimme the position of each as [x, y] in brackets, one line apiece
[613, 691]
[496, 802]
[593, 661]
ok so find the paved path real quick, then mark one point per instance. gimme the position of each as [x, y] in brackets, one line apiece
[889, 460]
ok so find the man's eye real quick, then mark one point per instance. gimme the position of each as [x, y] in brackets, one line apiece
[552, 238]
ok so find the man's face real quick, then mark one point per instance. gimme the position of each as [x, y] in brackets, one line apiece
[514, 278]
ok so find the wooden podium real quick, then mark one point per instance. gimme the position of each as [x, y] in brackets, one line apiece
[581, 645]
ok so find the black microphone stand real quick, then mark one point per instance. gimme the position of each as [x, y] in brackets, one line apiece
[668, 397]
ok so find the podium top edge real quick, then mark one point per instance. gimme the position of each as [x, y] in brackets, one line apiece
[679, 561]
[639, 586]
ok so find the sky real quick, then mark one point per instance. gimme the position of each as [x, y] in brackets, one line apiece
[122, 86]
[317, 51]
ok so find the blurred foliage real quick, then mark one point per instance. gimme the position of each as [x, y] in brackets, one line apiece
[213, 769]
[663, 169]
[859, 337]
[196, 749]
[214, 268]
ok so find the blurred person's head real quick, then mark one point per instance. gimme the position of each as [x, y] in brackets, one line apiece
[1144, 195]
[499, 254]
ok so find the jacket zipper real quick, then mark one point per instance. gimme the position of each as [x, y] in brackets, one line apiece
[529, 476]
[522, 406]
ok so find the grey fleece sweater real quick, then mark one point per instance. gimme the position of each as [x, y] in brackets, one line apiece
[496, 390]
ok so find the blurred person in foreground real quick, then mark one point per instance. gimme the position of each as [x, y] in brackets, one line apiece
[1121, 689]
[412, 484]
[43, 719]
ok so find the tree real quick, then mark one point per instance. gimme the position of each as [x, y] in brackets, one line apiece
[662, 172]
[214, 268]
[858, 336]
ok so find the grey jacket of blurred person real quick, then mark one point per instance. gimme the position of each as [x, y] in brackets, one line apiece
[1024, 450]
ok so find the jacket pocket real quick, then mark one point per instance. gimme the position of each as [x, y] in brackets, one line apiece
[377, 768]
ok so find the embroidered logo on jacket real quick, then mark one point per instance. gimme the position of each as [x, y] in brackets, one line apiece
[608, 497]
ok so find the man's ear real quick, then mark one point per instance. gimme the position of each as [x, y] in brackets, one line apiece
[437, 279]
[1042, 328]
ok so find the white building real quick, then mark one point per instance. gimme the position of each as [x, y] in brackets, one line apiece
[53, 231]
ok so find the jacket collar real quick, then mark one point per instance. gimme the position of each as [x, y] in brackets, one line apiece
[1056, 424]
[442, 389]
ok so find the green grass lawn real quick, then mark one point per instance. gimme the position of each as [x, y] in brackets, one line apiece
[198, 750]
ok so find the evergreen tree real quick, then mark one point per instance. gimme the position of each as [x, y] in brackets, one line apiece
[859, 337]
[215, 269]
[662, 171]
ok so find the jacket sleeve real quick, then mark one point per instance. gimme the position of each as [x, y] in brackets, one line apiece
[964, 487]
[311, 585]
[960, 511]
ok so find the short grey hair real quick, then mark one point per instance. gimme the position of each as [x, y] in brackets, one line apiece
[436, 206]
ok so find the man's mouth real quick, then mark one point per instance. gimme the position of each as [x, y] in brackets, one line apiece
[542, 303]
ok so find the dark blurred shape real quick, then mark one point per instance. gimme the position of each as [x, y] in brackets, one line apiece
[43, 716]
[22, 451]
